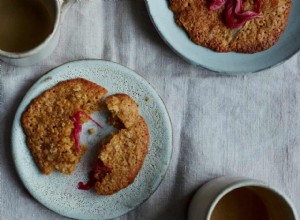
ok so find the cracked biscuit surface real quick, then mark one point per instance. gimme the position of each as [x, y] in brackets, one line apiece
[47, 123]
[124, 153]
[207, 28]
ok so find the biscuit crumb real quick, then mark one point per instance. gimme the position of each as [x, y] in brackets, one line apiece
[91, 131]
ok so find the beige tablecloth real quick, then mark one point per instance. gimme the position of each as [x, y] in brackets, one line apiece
[222, 125]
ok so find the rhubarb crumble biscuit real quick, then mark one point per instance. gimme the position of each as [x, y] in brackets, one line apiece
[248, 29]
[124, 153]
[50, 121]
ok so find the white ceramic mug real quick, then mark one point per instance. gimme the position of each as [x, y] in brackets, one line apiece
[204, 202]
[56, 10]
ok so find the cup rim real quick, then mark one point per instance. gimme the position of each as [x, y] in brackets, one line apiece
[43, 44]
[250, 183]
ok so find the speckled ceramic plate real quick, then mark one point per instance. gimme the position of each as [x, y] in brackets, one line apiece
[228, 63]
[59, 192]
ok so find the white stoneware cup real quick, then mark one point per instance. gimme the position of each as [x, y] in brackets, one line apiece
[56, 10]
[278, 206]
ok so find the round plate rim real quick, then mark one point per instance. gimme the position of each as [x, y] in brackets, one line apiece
[47, 74]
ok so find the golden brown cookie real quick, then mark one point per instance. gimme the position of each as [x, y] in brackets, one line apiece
[48, 123]
[207, 28]
[124, 153]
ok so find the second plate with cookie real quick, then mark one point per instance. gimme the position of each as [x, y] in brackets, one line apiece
[226, 63]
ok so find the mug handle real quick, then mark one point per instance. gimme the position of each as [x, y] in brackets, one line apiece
[64, 6]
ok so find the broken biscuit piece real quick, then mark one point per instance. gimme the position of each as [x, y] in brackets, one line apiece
[125, 152]
[122, 155]
[48, 123]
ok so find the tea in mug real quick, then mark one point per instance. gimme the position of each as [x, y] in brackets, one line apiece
[24, 24]
[240, 204]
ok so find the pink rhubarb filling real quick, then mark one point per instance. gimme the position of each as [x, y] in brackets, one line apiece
[99, 171]
[78, 128]
[235, 17]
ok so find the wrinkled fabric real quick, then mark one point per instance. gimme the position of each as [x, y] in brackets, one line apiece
[223, 125]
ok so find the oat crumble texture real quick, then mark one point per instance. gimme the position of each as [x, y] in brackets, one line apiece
[207, 28]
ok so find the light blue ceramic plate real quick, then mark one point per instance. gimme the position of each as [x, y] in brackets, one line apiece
[228, 63]
[58, 192]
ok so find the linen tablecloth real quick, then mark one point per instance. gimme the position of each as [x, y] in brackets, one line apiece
[223, 125]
